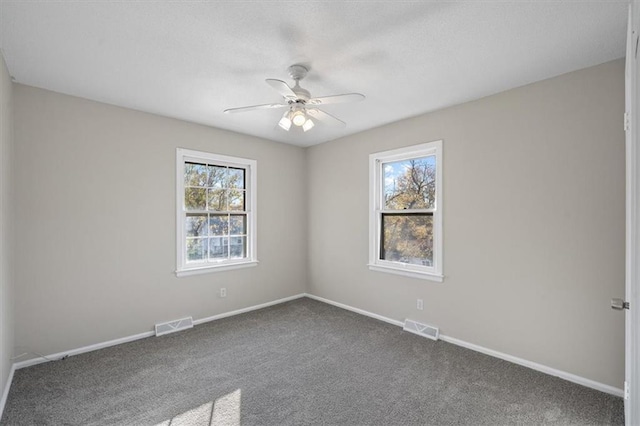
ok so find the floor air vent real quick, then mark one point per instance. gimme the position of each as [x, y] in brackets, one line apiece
[421, 329]
[173, 326]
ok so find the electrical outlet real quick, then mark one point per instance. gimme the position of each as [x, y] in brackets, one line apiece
[420, 305]
[223, 292]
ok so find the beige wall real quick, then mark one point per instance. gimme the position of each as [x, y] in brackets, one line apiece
[534, 219]
[533, 222]
[95, 222]
[6, 281]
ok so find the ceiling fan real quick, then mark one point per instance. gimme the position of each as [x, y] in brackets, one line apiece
[301, 107]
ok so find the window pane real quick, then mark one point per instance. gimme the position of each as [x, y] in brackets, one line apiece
[407, 239]
[238, 224]
[196, 249]
[236, 199]
[218, 225]
[217, 177]
[410, 184]
[195, 225]
[236, 178]
[217, 200]
[218, 248]
[195, 198]
[238, 247]
[195, 174]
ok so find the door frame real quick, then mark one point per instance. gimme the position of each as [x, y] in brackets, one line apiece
[632, 276]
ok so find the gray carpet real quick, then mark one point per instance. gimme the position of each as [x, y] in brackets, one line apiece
[298, 363]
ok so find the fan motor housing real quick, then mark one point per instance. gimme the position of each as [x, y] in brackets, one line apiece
[301, 93]
[298, 72]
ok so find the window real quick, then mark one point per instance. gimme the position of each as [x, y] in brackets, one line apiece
[406, 211]
[215, 212]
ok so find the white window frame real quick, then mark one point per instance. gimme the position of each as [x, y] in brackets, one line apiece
[376, 201]
[183, 268]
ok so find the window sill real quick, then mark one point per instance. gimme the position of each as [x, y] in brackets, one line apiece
[215, 268]
[407, 272]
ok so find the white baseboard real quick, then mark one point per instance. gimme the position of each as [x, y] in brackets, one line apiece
[249, 309]
[526, 363]
[102, 345]
[84, 349]
[356, 310]
[535, 366]
[5, 392]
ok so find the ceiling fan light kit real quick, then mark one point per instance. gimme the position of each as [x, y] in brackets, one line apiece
[298, 118]
[301, 106]
[308, 125]
[285, 121]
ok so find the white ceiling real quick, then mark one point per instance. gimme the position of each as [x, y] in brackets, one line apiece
[191, 60]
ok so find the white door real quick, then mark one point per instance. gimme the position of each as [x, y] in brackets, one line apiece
[632, 296]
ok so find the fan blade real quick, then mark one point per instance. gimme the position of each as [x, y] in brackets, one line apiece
[250, 108]
[336, 99]
[325, 117]
[282, 88]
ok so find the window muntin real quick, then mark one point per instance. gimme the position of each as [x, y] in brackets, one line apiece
[211, 194]
[216, 221]
[406, 214]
